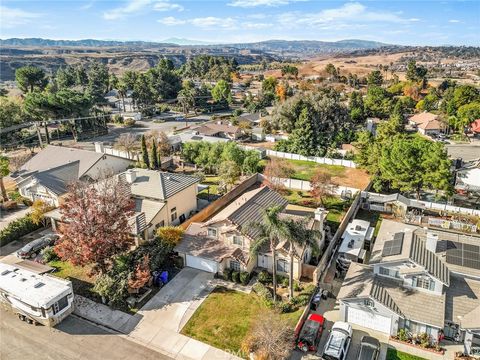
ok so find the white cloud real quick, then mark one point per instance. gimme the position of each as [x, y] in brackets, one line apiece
[414, 19]
[171, 21]
[350, 15]
[15, 17]
[211, 21]
[255, 25]
[87, 5]
[255, 3]
[453, 21]
[167, 6]
[133, 7]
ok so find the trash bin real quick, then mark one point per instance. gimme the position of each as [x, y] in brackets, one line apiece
[164, 277]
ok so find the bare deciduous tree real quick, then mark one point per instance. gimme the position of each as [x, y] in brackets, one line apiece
[127, 142]
[271, 338]
[275, 170]
[322, 185]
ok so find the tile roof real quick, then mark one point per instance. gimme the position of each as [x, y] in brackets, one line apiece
[361, 282]
[150, 207]
[195, 242]
[423, 117]
[248, 208]
[53, 156]
[463, 302]
[159, 184]
[431, 125]
[436, 267]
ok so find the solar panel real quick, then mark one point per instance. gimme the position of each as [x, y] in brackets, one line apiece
[393, 247]
[466, 255]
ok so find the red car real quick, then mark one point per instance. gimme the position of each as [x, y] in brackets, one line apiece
[310, 333]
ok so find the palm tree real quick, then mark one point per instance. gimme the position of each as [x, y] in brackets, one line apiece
[271, 229]
[298, 234]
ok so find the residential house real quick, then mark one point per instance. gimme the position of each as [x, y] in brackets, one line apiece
[224, 241]
[219, 129]
[161, 199]
[427, 123]
[467, 179]
[475, 127]
[420, 280]
[47, 175]
[176, 141]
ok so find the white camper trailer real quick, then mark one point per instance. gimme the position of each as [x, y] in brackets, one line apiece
[35, 298]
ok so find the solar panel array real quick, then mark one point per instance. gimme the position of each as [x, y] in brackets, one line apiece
[461, 254]
[393, 247]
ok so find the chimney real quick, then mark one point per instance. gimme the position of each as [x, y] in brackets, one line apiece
[431, 243]
[131, 176]
[99, 147]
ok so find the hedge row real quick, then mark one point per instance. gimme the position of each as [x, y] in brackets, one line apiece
[18, 228]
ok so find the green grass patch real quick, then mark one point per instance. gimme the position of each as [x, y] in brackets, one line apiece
[226, 317]
[212, 182]
[81, 282]
[393, 354]
[304, 170]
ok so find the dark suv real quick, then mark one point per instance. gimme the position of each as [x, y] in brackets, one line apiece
[369, 348]
[34, 247]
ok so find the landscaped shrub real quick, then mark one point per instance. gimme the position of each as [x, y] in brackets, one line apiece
[301, 300]
[297, 286]
[282, 280]
[264, 277]
[27, 202]
[309, 289]
[49, 254]
[402, 335]
[14, 195]
[236, 276]
[284, 307]
[16, 229]
[262, 291]
[244, 277]
[227, 274]
[129, 122]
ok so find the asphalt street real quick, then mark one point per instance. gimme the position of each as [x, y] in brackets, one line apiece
[74, 338]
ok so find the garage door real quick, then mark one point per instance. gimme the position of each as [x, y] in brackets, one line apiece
[369, 319]
[202, 264]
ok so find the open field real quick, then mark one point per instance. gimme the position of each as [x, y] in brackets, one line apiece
[342, 176]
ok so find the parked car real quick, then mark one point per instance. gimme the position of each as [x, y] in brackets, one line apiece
[338, 341]
[369, 348]
[311, 333]
[34, 247]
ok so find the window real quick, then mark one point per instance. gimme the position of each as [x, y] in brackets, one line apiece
[160, 224]
[237, 240]
[424, 282]
[212, 232]
[60, 305]
[368, 302]
[282, 265]
[173, 213]
[234, 265]
[389, 272]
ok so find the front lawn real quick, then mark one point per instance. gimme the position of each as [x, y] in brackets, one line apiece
[393, 354]
[226, 317]
[304, 170]
[81, 282]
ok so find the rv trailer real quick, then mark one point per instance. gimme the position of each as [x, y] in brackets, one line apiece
[35, 298]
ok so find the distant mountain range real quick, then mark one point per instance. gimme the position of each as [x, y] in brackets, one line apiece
[288, 46]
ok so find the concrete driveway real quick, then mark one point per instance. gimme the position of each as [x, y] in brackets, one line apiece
[159, 322]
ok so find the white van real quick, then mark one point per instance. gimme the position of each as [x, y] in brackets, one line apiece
[338, 341]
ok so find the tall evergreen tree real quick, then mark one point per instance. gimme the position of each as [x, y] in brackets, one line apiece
[146, 160]
[302, 138]
[154, 155]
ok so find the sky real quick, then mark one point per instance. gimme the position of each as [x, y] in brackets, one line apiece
[407, 22]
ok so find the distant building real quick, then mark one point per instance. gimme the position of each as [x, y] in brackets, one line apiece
[427, 123]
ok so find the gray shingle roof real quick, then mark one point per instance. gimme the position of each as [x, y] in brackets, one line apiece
[160, 185]
[248, 208]
[361, 282]
[428, 259]
[54, 156]
[463, 301]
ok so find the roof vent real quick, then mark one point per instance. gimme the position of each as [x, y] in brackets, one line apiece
[38, 285]
[23, 279]
[5, 272]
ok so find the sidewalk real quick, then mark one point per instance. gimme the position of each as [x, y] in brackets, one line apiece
[158, 323]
